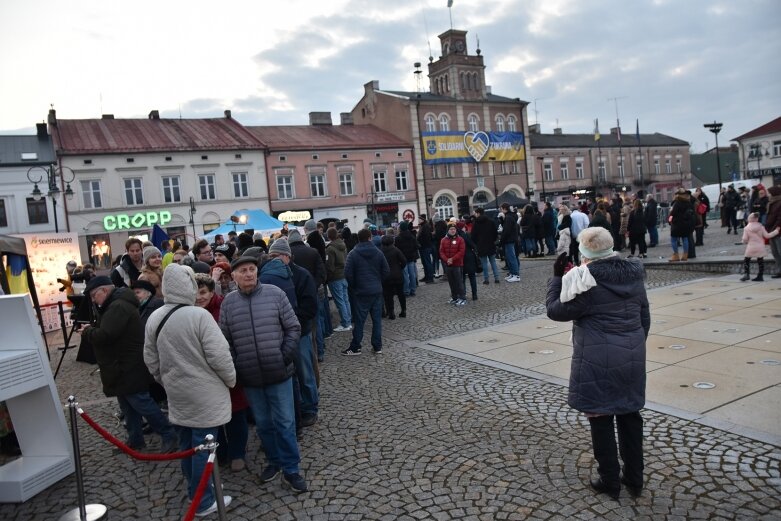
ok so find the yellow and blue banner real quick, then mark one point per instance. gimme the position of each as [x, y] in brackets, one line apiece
[470, 147]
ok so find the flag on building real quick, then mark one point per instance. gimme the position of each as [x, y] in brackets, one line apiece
[637, 132]
[158, 236]
[618, 131]
[596, 129]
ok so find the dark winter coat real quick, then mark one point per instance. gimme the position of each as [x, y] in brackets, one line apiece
[396, 263]
[509, 229]
[548, 222]
[732, 199]
[408, 244]
[306, 297]
[263, 333]
[682, 213]
[149, 307]
[759, 205]
[308, 258]
[349, 238]
[470, 257]
[440, 230]
[773, 212]
[527, 224]
[539, 231]
[124, 272]
[650, 214]
[600, 219]
[335, 257]
[425, 237]
[610, 326]
[484, 236]
[316, 241]
[118, 341]
[636, 227]
[365, 270]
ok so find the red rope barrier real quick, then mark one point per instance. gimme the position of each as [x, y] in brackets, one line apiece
[202, 484]
[127, 450]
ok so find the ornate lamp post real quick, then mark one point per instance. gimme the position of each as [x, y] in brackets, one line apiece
[66, 174]
[716, 128]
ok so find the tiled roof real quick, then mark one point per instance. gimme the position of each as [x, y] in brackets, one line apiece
[323, 137]
[772, 127]
[12, 148]
[97, 136]
[605, 140]
[427, 96]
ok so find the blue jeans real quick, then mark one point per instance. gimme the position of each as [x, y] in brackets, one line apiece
[653, 235]
[275, 423]
[484, 260]
[365, 306]
[305, 371]
[426, 258]
[324, 327]
[674, 243]
[134, 406]
[232, 437]
[550, 243]
[339, 291]
[192, 467]
[510, 259]
[529, 246]
[410, 278]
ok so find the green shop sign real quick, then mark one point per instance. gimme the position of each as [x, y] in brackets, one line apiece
[124, 221]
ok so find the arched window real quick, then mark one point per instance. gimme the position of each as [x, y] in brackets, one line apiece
[462, 77]
[511, 123]
[447, 84]
[499, 123]
[431, 123]
[444, 207]
[474, 122]
[444, 123]
[473, 81]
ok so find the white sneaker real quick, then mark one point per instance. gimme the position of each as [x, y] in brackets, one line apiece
[212, 509]
[514, 278]
[340, 329]
[461, 302]
[508, 277]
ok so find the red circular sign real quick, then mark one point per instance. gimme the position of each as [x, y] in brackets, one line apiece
[408, 215]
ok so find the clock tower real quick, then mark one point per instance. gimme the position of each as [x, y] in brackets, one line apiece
[456, 73]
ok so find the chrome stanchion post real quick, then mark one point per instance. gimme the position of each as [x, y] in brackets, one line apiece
[211, 445]
[84, 512]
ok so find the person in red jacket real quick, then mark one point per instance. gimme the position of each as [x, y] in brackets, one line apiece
[451, 250]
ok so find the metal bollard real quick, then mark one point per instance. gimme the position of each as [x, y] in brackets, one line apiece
[84, 512]
[211, 446]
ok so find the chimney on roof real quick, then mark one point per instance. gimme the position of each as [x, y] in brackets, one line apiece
[40, 130]
[534, 129]
[614, 131]
[346, 118]
[52, 117]
[488, 89]
[108, 116]
[154, 114]
[227, 114]
[372, 85]
[557, 131]
[320, 118]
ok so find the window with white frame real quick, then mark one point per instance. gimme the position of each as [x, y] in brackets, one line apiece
[474, 122]
[285, 186]
[37, 211]
[91, 194]
[443, 206]
[657, 168]
[401, 178]
[171, 190]
[380, 181]
[621, 167]
[345, 182]
[431, 123]
[434, 171]
[511, 125]
[668, 167]
[207, 187]
[564, 167]
[240, 186]
[500, 123]
[602, 171]
[776, 148]
[444, 123]
[579, 170]
[134, 192]
[448, 170]
[639, 167]
[547, 171]
[678, 165]
[317, 184]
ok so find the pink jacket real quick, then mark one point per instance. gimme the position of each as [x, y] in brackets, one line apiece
[754, 236]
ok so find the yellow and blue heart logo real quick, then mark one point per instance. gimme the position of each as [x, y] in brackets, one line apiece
[477, 144]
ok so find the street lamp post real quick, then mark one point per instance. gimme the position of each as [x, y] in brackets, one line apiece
[542, 177]
[192, 214]
[54, 191]
[716, 128]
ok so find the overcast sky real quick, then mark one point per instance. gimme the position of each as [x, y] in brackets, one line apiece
[672, 64]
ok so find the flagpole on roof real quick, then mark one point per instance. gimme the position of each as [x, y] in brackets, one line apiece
[639, 153]
[599, 149]
[450, 12]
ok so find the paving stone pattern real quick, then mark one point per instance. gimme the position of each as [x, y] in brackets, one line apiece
[413, 434]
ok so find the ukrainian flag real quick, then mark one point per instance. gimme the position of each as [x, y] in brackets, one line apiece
[16, 272]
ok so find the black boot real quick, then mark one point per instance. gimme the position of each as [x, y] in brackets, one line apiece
[761, 264]
[403, 313]
[746, 269]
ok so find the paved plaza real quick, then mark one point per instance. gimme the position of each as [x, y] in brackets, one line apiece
[436, 429]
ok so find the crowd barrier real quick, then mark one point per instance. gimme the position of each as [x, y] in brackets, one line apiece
[93, 512]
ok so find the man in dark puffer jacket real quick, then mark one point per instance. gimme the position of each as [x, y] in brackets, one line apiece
[408, 244]
[606, 300]
[263, 333]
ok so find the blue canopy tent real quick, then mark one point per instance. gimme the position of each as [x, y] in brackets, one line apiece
[257, 220]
